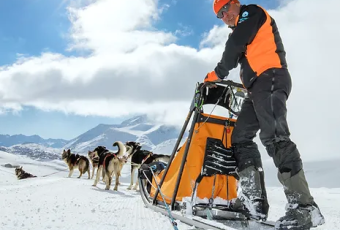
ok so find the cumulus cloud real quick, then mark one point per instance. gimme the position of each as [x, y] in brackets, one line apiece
[134, 68]
[131, 67]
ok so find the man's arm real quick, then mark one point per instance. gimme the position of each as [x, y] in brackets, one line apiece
[247, 27]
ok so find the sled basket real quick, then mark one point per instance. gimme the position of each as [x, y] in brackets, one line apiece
[205, 160]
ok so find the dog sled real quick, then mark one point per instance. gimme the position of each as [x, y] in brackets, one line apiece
[198, 186]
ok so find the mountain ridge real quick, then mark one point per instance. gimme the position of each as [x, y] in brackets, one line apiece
[138, 128]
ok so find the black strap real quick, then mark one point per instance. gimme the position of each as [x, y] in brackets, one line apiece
[203, 118]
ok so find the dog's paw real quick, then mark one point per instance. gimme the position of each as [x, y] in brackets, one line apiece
[106, 188]
[128, 188]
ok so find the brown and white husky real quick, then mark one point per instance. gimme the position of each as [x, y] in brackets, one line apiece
[21, 174]
[76, 161]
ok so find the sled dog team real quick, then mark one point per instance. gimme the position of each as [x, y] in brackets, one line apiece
[106, 163]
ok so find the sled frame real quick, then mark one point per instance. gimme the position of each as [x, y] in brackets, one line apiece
[194, 111]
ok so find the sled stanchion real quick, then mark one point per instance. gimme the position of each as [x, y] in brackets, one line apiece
[184, 159]
[179, 139]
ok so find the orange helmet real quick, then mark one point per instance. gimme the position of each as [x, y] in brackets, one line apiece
[219, 4]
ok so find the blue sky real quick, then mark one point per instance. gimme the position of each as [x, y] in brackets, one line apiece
[29, 27]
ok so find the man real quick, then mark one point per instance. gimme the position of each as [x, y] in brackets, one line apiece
[255, 43]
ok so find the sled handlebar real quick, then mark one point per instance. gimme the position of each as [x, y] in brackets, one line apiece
[229, 83]
[223, 83]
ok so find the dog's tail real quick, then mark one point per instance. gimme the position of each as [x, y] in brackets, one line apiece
[121, 148]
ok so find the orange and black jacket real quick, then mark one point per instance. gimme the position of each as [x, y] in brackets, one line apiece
[255, 43]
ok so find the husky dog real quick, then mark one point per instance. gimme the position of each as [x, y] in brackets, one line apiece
[94, 161]
[98, 154]
[139, 157]
[75, 160]
[21, 174]
[111, 163]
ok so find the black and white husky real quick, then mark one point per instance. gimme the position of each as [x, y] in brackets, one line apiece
[110, 163]
[139, 156]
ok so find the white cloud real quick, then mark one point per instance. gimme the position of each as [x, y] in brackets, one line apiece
[10, 107]
[130, 61]
[135, 68]
[184, 30]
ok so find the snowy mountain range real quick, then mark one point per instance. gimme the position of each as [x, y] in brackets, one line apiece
[157, 137]
[34, 151]
[9, 140]
[138, 129]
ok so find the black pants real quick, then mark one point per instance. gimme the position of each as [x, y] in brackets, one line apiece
[265, 110]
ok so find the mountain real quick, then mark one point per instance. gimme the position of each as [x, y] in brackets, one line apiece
[139, 129]
[34, 151]
[8, 140]
[159, 138]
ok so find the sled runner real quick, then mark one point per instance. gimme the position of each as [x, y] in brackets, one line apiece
[198, 186]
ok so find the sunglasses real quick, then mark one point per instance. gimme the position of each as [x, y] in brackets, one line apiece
[225, 8]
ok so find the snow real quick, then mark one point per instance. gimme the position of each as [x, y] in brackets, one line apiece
[72, 142]
[53, 201]
[166, 147]
[83, 145]
[129, 129]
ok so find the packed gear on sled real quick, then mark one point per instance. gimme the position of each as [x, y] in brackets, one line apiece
[201, 177]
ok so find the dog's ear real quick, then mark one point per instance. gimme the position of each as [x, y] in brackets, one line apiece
[20, 167]
[69, 151]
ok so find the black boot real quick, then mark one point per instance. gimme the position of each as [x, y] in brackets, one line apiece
[301, 211]
[299, 217]
[253, 193]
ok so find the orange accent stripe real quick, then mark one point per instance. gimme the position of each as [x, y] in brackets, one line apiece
[261, 53]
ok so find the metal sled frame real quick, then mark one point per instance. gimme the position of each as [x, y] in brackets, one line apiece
[203, 96]
[199, 99]
[225, 218]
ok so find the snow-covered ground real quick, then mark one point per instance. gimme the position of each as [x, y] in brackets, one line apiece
[53, 201]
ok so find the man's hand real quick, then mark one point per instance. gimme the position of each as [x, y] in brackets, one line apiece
[212, 77]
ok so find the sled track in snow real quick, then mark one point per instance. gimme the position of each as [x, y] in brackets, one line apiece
[31, 183]
[74, 204]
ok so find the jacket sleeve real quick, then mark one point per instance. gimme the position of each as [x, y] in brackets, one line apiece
[249, 22]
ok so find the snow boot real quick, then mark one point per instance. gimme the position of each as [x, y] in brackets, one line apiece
[301, 211]
[300, 217]
[253, 193]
